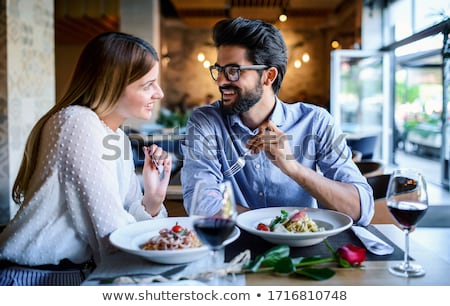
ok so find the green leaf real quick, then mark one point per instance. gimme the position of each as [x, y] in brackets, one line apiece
[279, 219]
[255, 264]
[316, 274]
[284, 265]
[269, 258]
[273, 255]
[305, 260]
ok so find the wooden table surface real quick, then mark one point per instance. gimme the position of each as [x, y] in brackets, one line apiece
[429, 248]
[375, 273]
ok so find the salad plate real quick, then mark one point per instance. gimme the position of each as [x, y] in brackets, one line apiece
[331, 222]
[132, 237]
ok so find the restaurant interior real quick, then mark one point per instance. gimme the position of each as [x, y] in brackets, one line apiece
[384, 79]
[332, 44]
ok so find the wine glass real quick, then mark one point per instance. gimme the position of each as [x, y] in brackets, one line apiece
[407, 200]
[213, 209]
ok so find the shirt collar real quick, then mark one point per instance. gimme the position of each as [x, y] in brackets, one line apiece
[278, 115]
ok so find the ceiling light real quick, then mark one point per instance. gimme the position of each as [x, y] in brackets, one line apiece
[335, 44]
[200, 56]
[283, 17]
[306, 57]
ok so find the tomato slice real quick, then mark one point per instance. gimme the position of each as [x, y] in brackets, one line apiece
[263, 227]
[177, 228]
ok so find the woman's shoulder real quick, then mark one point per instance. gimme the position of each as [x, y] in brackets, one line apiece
[74, 111]
[74, 118]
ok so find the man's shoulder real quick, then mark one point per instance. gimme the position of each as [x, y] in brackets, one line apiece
[206, 112]
[306, 109]
[307, 106]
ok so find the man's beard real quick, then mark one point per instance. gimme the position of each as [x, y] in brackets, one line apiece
[244, 101]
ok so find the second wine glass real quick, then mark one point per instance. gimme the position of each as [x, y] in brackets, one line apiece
[407, 200]
[213, 210]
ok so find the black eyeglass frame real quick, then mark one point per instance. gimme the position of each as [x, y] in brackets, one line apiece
[238, 68]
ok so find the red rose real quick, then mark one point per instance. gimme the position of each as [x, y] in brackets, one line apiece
[353, 254]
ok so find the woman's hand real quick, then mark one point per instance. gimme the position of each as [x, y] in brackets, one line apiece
[155, 186]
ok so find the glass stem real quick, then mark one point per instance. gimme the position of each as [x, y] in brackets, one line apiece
[215, 264]
[406, 255]
[215, 259]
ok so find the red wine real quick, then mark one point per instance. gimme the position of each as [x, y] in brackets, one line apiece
[213, 231]
[407, 213]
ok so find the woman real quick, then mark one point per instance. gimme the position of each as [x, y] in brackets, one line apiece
[76, 183]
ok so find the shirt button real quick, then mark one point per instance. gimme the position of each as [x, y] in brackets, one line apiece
[257, 166]
[260, 193]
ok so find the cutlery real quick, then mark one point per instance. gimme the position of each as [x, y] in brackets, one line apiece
[165, 274]
[155, 162]
[374, 244]
[238, 165]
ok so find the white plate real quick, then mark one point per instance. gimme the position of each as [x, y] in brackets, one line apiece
[132, 236]
[333, 222]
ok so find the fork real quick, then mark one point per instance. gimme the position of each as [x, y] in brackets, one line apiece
[238, 165]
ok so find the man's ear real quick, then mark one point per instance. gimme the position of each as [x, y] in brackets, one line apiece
[271, 75]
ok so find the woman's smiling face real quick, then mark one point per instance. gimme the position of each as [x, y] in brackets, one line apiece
[139, 97]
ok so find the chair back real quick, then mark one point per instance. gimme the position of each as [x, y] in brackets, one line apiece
[379, 184]
[370, 168]
[365, 145]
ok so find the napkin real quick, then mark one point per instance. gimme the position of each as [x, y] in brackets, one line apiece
[227, 274]
[374, 244]
[139, 271]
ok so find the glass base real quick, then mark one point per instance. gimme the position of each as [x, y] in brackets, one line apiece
[410, 270]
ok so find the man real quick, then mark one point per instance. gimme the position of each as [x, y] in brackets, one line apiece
[299, 158]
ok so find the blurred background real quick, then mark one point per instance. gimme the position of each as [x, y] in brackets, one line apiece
[379, 66]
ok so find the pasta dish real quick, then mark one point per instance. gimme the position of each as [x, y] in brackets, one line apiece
[297, 222]
[176, 238]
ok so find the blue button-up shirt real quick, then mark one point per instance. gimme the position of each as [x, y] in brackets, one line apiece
[214, 142]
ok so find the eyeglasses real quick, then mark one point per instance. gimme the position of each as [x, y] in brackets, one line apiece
[232, 72]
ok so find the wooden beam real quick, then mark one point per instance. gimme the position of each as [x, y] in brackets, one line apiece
[199, 4]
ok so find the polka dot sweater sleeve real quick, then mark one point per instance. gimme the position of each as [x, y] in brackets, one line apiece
[94, 171]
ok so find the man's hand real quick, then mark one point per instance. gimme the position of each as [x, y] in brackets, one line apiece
[274, 143]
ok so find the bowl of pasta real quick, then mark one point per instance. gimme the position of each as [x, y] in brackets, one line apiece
[294, 226]
[167, 240]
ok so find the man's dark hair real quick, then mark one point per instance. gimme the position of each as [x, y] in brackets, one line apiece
[264, 43]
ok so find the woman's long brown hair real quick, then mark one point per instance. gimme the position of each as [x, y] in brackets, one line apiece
[107, 64]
